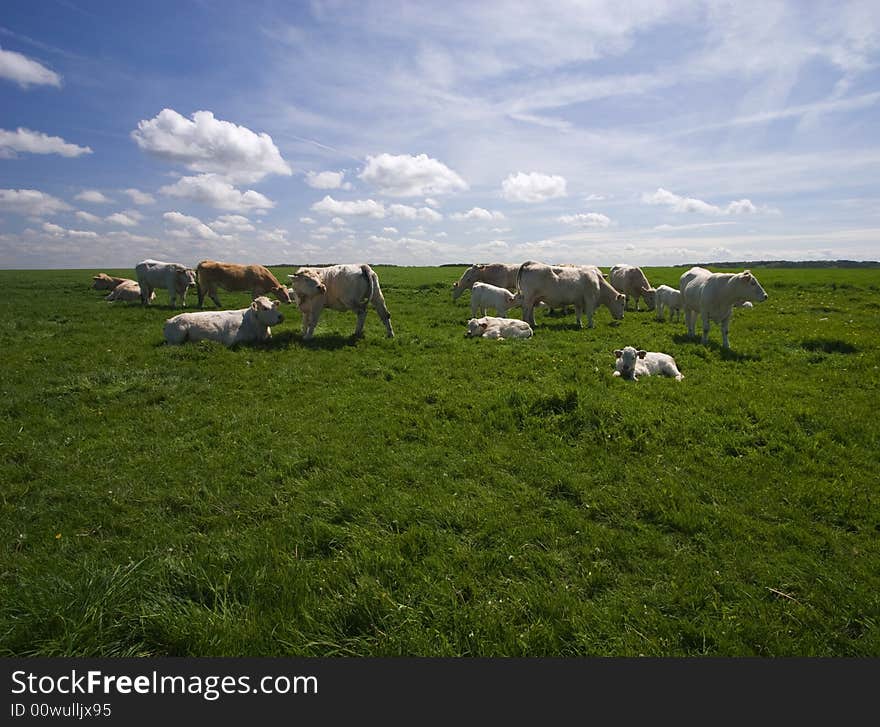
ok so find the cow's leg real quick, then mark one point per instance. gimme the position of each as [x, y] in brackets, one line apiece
[361, 319]
[305, 323]
[637, 303]
[577, 314]
[475, 308]
[706, 324]
[173, 297]
[725, 324]
[201, 292]
[690, 320]
[528, 312]
[146, 294]
[212, 292]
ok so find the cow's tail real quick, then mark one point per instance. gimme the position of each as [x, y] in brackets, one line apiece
[377, 299]
[519, 273]
[372, 282]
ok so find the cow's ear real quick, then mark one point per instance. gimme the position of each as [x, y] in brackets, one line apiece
[484, 326]
[642, 354]
[618, 353]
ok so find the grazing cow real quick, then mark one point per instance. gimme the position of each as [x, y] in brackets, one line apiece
[173, 277]
[669, 298]
[226, 326]
[102, 281]
[633, 283]
[127, 290]
[581, 286]
[485, 296]
[499, 274]
[714, 295]
[632, 363]
[255, 279]
[498, 328]
[339, 287]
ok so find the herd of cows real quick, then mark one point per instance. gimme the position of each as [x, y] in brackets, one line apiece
[496, 286]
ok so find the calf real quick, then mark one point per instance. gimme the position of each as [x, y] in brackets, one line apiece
[714, 296]
[498, 328]
[485, 296]
[174, 277]
[670, 298]
[255, 279]
[229, 327]
[127, 290]
[339, 287]
[632, 363]
[633, 283]
[501, 274]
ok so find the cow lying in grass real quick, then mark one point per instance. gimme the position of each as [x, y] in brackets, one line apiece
[127, 290]
[102, 281]
[498, 328]
[632, 363]
[228, 327]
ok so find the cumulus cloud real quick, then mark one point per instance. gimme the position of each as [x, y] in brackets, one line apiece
[406, 212]
[187, 226]
[478, 213]
[698, 226]
[35, 142]
[88, 217]
[590, 219]
[213, 190]
[126, 219]
[25, 71]
[410, 176]
[532, 187]
[327, 180]
[209, 145]
[232, 223]
[93, 196]
[31, 202]
[688, 204]
[308, 221]
[138, 197]
[355, 208]
[58, 231]
[390, 230]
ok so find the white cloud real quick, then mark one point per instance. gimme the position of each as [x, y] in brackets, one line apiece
[327, 180]
[35, 142]
[277, 235]
[532, 187]
[93, 196]
[190, 226]
[138, 197]
[26, 72]
[410, 176]
[58, 231]
[478, 213]
[88, 217]
[688, 204]
[390, 230]
[697, 226]
[122, 218]
[590, 219]
[308, 221]
[356, 208]
[338, 221]
[232, 223]
[30, 202]
[209, 145]
[213, 190]
[406, 212]
[431, 202]
[597, 197]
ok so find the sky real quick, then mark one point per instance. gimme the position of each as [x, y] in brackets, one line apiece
[661, 132]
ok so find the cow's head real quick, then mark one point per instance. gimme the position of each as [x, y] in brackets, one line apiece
[626, 361]
[617, 306]
[749, 287]
[267, 311]
[650, 296]
[306, 284]
[281, 293]
[102, 281]
[467, 279]
[476, 327]
[184, 278]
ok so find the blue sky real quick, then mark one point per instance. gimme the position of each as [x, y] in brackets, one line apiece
[422, 133]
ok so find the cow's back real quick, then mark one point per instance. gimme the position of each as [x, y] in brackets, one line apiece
[691, 286]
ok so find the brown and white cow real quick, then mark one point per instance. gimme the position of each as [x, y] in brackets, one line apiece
[633, 283]
[102, 281]
[338, 287]
[255, 279]
[176, 278]
[501, 275]
[581, 286]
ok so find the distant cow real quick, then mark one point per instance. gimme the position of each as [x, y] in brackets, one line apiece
[127, 290]
[633, 283]
[498, 328]
[669, 298]
[581, 286]
[102, 281]
[632, 363]
[173, 277]
[485, 296]
[714, 295]
[499, 274]
[228, 327]
[255, 279]
[338, 287]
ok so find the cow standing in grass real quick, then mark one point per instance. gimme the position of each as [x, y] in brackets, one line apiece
[501, 275]
[714, 296]
[174, 277]
[254, 279]
[633, 283]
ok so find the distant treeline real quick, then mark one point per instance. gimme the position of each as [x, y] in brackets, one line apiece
[790, 264]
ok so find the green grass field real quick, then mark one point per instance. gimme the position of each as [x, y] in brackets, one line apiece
[435, 495]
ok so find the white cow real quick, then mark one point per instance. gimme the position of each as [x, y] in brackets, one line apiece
[581, 286]
[501, 274]
[632, 363]
[633, 283]
[226, 326]
[714, 295]
[498, 328]
[127, 290]
[338, 287]
[485, 296]
[173, 277]
[669, 298]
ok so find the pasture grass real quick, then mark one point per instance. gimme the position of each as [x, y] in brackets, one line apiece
[435, 495]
